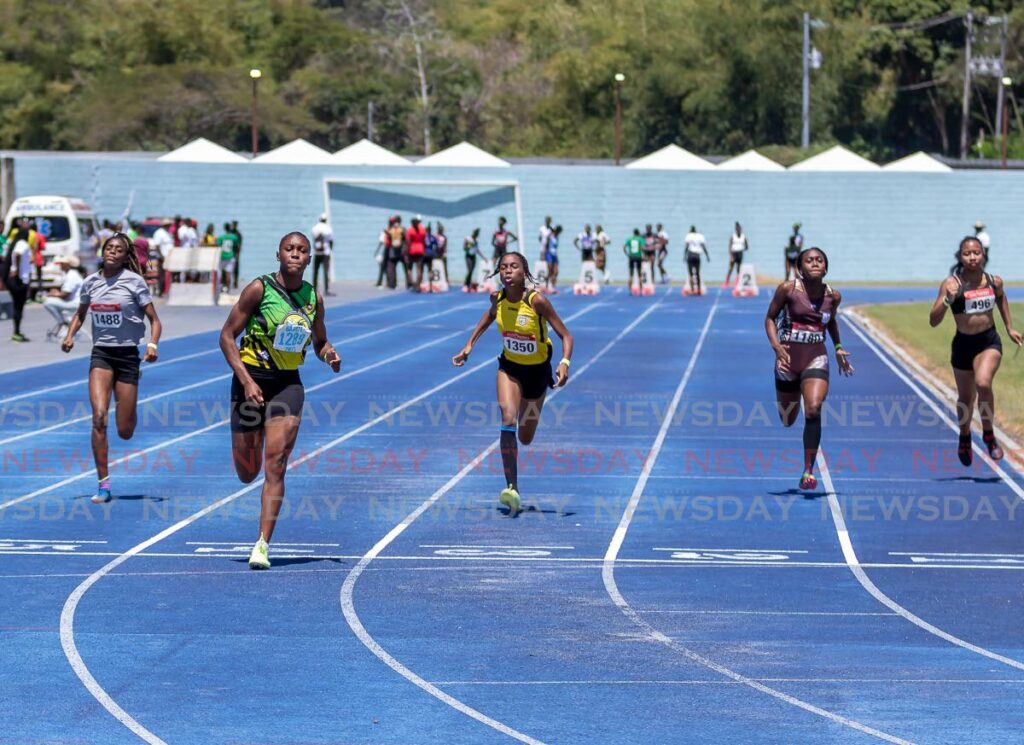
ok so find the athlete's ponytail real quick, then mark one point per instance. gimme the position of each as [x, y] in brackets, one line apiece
[957, 269]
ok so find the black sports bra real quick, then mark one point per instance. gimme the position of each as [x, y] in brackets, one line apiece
[982, 299]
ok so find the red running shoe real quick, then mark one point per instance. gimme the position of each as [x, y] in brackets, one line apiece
[808, 482]
[964, 451]
[994, 451]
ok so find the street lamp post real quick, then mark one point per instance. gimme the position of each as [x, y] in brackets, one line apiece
[1006, 83]
[619, 78]
[255, 74]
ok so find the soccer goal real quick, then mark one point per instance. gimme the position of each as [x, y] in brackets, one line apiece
[358, 210]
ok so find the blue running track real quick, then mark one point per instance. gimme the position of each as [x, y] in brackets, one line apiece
[667, 583]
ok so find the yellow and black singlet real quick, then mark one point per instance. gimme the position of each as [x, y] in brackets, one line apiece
[277, 335]
[524, 332]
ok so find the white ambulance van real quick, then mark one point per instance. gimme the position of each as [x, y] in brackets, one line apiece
[69, 225]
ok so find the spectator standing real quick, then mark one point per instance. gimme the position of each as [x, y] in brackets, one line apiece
[442, 248]
[323, 249]
[982, 235]
[188, 236]
[542, 236]
[19, 274]
[380, 255]
[396, 252]
[210, 235]
[159, 248]
[228, 241]
[601, 253]
[415, 238]
[238, 253]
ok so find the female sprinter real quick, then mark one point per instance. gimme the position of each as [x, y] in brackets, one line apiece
[798, 315]
[524, 365]
[972, 293]
[119, 299]
[280, 314]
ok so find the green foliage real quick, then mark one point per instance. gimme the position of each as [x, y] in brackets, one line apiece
[513, 76]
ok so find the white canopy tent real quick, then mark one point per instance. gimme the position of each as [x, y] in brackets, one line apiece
[750, 161]
[366, 153]
[672, 158]
[201, 150]
[464, 155]
[919, 162]
[836, 158]
[296, 152]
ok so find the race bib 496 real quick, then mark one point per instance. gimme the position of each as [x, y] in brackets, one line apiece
[981, 300]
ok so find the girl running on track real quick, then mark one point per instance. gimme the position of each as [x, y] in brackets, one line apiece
[119, 300]
[524, 366]
[972, 294]
[280, 315]
[798, 316]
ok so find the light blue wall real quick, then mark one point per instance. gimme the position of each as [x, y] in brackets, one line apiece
[875, 226]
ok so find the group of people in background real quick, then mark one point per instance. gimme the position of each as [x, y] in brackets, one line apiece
[412, 249]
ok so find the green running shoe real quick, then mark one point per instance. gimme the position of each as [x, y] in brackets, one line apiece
[510, 498]
[259, 558]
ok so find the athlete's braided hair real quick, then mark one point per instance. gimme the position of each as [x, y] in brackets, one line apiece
[957, 269]
[131, 262]
[526, 267]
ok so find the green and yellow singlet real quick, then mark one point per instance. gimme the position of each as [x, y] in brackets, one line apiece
[278, 333]
[524, 332]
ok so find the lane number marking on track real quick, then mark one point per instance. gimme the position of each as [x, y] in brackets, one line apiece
[753, 555]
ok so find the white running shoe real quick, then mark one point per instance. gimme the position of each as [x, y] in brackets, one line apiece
[259, 558]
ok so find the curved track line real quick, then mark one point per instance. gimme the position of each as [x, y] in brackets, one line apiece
[226, 376]
[608, 572]
[180, 438]
[348, 587]
[173, 360]
[67, 616]
[850, 556]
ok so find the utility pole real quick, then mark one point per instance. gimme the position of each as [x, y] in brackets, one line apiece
[805, 110]
[1001, 72]
[966, 110]
[369, 121]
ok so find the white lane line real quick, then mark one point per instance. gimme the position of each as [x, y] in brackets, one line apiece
[474, 545]
[67, 616]
[739, 550]
[764, 612]
[235, 543]
[858, 571]
[936, 386]
[943, 415]
[608, 570]
[216, 378]
[699, 681]
[549, 562]
[175, 360]
[927, 553]
[348, 588]
[167, 443]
